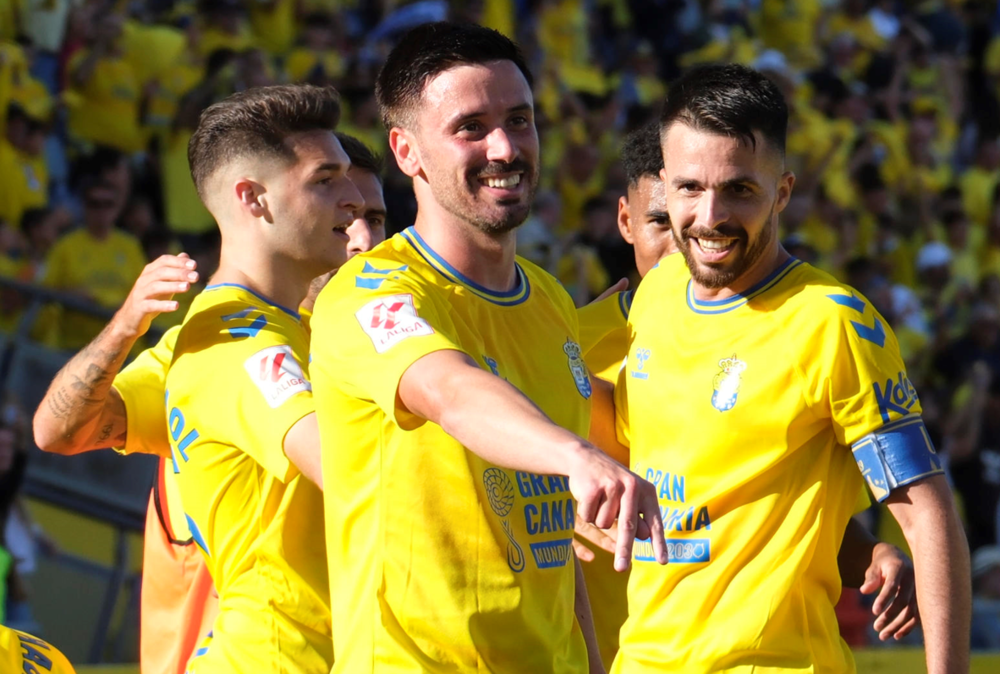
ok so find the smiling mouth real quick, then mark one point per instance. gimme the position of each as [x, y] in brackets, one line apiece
[505, 182]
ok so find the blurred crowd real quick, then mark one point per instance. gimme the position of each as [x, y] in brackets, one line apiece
[893, 138]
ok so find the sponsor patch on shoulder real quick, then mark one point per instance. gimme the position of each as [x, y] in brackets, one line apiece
[389, 320]
[277, 374]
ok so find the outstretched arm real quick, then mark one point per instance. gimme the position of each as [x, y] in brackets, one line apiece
[499, 424]
[81, 411]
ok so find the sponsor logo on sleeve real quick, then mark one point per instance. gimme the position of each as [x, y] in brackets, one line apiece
[389, 320]
[277, 374]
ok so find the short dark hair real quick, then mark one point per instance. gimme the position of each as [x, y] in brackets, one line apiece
[730, 100]
[361, 155]
[429, 50]
[642, 154]
[256, 122]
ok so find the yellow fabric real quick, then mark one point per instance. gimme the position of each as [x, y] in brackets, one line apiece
[183, 76]
[213, 39]
[152, 51]
[441, 561]
[25, 184]
[273, 25]
[977, 187]
[105, 111]
[604, 341]
[499, 15]
[742, 413]
[185, 212]
[104, 270]
[563, 32]
[302, 61]
[235, 387]
[790, 27]
[141, 385]
[20, 652]
[594, 275]
[860, 28]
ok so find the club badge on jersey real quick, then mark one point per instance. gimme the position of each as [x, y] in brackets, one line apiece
[726, 384]
[577, 367]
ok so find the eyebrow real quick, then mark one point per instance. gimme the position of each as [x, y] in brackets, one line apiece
[333, 167]
[657, 214]
[738, 180]
[375, 211]
[458, 119]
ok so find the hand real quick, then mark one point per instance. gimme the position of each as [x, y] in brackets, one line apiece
[895, 607]
[606, 490]
[151, 295]
[621, 286]
[605, 540]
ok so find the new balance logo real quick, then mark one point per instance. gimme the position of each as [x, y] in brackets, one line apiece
[277, 374]
[389, 320]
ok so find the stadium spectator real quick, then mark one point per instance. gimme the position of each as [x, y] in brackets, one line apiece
[986, 598]
[96, 262]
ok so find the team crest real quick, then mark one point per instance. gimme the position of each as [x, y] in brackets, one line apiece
[726, 385]
[576, 366]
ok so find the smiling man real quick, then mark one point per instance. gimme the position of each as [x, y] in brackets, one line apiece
[452, 396]
[758, 394]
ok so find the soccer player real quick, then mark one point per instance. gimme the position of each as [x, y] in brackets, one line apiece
[90, 405]
[643, 221]
[452, 397]
[757, 395]
[20, 652]
[239, 407]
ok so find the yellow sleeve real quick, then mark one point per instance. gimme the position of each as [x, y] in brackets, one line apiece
[249, 388]
[142, 386]
[621, 405]
[858, 371]
[56, 263]
[368, 338]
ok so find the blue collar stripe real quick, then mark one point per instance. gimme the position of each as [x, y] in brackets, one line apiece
[293, 314]
[625, 302]
[518, 295]
[728, 304]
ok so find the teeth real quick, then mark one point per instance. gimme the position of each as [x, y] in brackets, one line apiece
[511, 181]
[714, 244]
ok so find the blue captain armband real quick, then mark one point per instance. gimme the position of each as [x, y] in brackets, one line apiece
[895, 455]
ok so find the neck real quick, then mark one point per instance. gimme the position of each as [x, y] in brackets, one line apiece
[763, 268]
[278, 279]
[99, 232]
[487, 259]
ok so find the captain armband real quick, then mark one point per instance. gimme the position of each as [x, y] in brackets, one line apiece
[895, 455]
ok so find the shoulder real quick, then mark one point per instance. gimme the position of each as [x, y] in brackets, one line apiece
[546, 286]
[236, 319]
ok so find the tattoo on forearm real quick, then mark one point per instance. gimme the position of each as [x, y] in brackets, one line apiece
[99, 366]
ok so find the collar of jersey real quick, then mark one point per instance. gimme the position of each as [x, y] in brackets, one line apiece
[625, 301]
[216, 286]
[728, 304]
[518, 295]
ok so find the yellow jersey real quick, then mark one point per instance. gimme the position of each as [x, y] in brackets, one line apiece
[742, 413]
[105, 110]
[441, 561]
[25, 186]
[102, 269]
[604, 341]
[235, 386]
[22, 653]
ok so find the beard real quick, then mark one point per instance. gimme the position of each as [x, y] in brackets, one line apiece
[495, 218]
[726, 273]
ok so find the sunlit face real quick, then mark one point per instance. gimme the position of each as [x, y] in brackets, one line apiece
[643, 221]
[367, 230]
[723, 196]
[312, 202]
[477, 146]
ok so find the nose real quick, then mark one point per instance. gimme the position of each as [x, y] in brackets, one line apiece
[712, 211]
[500, 147]
[360, 234]
[351, 200]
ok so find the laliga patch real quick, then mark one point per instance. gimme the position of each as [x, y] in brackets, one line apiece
[277, 374]
[389, 320]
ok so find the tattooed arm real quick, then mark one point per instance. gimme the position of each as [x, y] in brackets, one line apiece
[81, 411]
